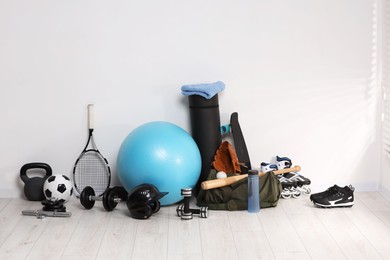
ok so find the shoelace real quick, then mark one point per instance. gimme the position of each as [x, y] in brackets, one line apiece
[330, 191]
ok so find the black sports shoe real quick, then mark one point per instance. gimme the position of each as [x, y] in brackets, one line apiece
[336, 197]
[324, 193]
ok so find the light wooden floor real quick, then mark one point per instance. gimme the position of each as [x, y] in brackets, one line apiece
[292, 230]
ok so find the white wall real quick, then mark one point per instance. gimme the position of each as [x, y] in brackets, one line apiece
[384, 187]
[384, 183]
[301, 74]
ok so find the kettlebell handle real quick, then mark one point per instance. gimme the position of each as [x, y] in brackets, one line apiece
[35, 165]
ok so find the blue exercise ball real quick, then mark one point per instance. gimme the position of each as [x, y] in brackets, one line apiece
[162, 154]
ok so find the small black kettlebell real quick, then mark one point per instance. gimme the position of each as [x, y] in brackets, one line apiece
[33, 187]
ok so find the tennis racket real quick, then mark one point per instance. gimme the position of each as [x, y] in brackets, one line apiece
[91, 168]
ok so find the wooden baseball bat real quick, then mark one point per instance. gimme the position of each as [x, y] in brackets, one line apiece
[212, 184]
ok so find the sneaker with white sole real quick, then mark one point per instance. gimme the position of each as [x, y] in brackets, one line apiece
[336, 197]
[326, 193]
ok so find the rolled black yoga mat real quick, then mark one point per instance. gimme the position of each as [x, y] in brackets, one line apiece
[205, 128]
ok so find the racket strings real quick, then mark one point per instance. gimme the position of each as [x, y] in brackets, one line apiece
[92, 170]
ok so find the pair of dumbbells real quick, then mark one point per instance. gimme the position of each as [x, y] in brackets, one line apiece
[185, 212]
[111, 197]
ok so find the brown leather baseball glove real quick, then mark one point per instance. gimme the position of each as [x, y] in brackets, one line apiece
[226, 159]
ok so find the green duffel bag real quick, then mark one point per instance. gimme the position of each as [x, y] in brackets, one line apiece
[235, 196]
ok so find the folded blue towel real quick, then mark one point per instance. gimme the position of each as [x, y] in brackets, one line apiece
[205, 90]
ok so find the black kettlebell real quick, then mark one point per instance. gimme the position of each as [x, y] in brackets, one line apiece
[33, 187]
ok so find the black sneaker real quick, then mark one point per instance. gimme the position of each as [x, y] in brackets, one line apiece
[336, 197]
[324, 193]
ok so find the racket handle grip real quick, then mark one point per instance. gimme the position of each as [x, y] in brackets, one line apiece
[91, 121]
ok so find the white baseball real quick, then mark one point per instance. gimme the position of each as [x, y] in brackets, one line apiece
[221, 175]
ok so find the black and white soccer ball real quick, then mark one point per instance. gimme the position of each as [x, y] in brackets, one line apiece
[58, 188]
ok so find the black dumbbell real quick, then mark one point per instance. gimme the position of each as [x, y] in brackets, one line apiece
[185, 212]
[202, 212]
[111, 197]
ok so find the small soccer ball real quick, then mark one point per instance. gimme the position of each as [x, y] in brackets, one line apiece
[58, 188]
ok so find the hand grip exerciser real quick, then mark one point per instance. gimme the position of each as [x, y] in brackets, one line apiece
[212, 184]
[43, 214]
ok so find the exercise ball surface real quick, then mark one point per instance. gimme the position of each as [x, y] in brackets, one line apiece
[162, 154]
